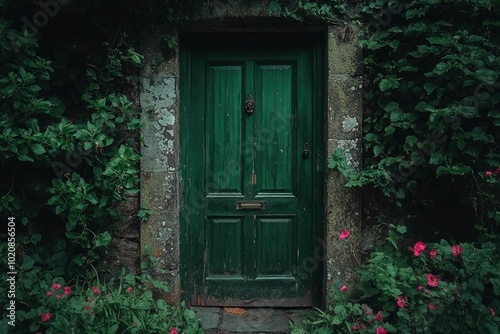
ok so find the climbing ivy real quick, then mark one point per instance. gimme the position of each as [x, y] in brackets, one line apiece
[431, 116]
[68, 126]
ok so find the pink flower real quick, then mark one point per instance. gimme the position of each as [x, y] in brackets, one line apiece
[135, 324]
[432, 280]
[432, 306]
[173, 331]
[492, 311]
[344, 235]
[96, 290]
[381, 330]
[358, 327]
[433, 253]
[343, 288]
[129, 289]
[456, 250]
[419, 288]
[67, 290]
[56, 286]
[488, 173]
[49, 293]
[58, 296]
[378, 317]
[45, 316]
[401, 301]
[418, 248]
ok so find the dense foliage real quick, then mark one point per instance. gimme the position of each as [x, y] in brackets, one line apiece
[429, 288]
[69, 134]
[432, 113]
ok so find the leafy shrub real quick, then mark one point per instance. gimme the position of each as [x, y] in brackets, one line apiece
[431, 115]
[52, 305]
[427, 288]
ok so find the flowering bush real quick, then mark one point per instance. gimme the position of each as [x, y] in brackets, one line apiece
[126, 306]
[427, 288]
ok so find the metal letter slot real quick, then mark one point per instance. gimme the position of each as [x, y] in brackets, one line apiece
[250, 205]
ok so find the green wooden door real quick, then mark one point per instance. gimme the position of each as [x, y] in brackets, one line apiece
[250, 203]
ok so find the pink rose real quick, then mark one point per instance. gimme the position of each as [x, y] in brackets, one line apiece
[96, 290]
[344, 235]
[433, 253]
[381, 330]
[401, 301]
[432, 306]
[432, 280]
[45, 316]
[378, 317]
[343, 288]
[173, 331]
[130, 289]
[418, 248]
[56, 286]
[67, 290]
[456, 250]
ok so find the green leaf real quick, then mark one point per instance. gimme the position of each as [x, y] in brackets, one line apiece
[423, 106]
[436, 158]
[35, 238]
[430, 87]
[459, 169]
[410, 141]
[479, 134]
[397, 116]
[102, 239]
[401, 229]
[38, 149]
[389, 130]
[486, 75]
[161, 304]
[388, 83]
[371, 137]
[28, 262]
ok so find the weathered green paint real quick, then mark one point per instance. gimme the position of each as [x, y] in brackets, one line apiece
[251, 257]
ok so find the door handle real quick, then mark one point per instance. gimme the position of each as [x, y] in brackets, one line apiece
[305, 152]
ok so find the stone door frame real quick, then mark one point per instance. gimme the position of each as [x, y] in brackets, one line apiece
[161, 184]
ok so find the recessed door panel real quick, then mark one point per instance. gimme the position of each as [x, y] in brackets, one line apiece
[223, 134]
[275, 127]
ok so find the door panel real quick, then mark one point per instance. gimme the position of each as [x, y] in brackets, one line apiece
[249, 201]
[275, 128]
[223, 136]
